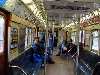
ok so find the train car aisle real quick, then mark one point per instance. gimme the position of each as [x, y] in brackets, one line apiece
[61, 67]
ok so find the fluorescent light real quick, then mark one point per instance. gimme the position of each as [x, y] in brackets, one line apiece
[31, 7]
[27, 1]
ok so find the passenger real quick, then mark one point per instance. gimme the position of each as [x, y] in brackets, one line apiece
[50, 48]
[39, 52]
[50, 43]
[62, 47]
[71, 48]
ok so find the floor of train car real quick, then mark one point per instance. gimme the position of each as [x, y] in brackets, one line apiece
[61, 67]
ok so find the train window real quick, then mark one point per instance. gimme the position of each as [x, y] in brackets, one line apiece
[81, 36]
[1, 33]
[42, 36]
[26, 38]
[21, 43]
[95, 45]
[73, 37]
[30, 36]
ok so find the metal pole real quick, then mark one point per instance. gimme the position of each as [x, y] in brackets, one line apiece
[53, 35]
[46, 38]
[78, 32]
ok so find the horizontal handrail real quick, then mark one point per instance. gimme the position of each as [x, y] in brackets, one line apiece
[19, 69]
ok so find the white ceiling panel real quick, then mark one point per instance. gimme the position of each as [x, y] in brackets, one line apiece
[59, 10]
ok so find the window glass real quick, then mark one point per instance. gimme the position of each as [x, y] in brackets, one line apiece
[1, 33]
[26, 38]
[80, 36]
[73, 37]
[95, 45]
[95, 33]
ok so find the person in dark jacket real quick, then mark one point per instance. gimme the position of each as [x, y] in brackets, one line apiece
[38, 55]
[39, 51]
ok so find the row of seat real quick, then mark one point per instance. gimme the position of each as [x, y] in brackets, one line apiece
[26, 62]
[87, 61]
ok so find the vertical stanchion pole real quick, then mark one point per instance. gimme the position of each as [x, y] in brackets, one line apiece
[46, 38]
[53, 35]
[78, 32]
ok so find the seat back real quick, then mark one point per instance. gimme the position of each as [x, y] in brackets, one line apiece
[96, 70]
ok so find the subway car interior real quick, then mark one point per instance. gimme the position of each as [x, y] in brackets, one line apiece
[49, 37]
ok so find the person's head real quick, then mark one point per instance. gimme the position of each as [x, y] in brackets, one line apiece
[36, 40]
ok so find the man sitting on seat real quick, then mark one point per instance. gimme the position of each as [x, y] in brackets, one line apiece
[62, 47]
[39, 51]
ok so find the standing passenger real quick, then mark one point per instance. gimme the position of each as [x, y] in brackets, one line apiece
[50, 43]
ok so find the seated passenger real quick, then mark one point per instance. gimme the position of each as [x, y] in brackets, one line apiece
[62, 47]
[39, 51]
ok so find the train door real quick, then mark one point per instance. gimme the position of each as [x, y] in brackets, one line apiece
[4, 15]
